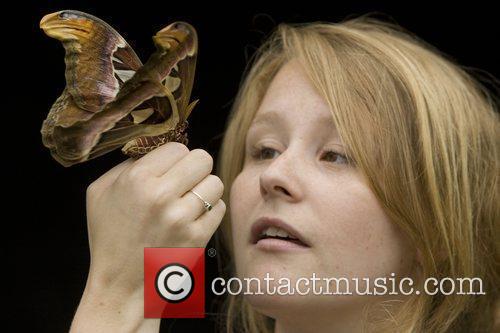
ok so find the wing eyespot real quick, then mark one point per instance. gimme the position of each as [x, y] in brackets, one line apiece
[68, 15]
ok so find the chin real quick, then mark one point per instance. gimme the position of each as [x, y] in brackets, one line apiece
[275, 306]
[291, 267]
[297, 306]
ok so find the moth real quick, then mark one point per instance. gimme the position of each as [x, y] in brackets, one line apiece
[111, 98]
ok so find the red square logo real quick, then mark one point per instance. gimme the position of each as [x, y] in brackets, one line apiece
[174, 282]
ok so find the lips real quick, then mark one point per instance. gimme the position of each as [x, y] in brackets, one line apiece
[265, 222]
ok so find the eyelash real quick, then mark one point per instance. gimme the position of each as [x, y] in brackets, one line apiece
[257, 153]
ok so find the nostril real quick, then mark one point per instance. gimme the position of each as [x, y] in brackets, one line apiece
[282, 189]
[278, 184]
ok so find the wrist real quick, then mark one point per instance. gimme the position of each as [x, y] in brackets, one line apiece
[107, 309]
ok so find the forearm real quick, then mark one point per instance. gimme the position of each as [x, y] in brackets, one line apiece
[104, 310]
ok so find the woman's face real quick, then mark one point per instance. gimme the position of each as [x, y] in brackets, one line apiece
[302, 178]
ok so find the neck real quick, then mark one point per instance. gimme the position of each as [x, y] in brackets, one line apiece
[335, 321]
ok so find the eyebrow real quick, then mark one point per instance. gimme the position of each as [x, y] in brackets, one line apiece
[266, 117]
[270, 116]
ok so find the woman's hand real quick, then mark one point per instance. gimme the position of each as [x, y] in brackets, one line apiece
[146, 203]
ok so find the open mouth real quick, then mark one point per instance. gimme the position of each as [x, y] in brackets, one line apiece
[275, 233]
[279, 234]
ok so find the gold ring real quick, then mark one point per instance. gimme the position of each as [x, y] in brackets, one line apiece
[206, 204]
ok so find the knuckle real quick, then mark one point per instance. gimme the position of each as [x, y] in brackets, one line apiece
[174, 216]
[137, 173]
[223, 204]
[204, 155]
[179, 147]
[163, 199]
[146, 192]
[217, 183]
[167, 193]
[137, 186]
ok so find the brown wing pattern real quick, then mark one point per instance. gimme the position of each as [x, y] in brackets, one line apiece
[111, 99]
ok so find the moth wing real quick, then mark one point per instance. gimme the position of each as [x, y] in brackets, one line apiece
[76, 143]
[185, 73]
[98, 59]
[179, 82]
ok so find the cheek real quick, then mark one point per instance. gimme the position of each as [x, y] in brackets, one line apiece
[360, 234]
[240, 203]
[236, 201]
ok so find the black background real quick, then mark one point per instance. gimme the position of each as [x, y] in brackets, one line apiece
[46, 236]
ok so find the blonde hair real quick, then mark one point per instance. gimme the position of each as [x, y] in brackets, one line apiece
[424, 132]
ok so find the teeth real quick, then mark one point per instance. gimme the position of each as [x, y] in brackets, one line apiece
[272, 231]
[282, 233]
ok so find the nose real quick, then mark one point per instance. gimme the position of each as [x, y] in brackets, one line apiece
[280, 178]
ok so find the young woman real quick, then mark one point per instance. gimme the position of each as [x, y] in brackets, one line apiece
[378, 154]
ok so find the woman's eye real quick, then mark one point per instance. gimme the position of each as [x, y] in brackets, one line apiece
[263, 153]
[336, 157]
[330, 155]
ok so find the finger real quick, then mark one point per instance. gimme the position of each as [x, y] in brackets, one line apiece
[188, 172]
[211, 220]
[111, 175]
[210, 189]
[161, 159]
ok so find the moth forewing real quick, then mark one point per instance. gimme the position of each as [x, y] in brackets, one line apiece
[111, 99]
[177, 84]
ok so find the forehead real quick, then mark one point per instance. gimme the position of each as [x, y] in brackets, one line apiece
[279, 117]
[292, 100]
